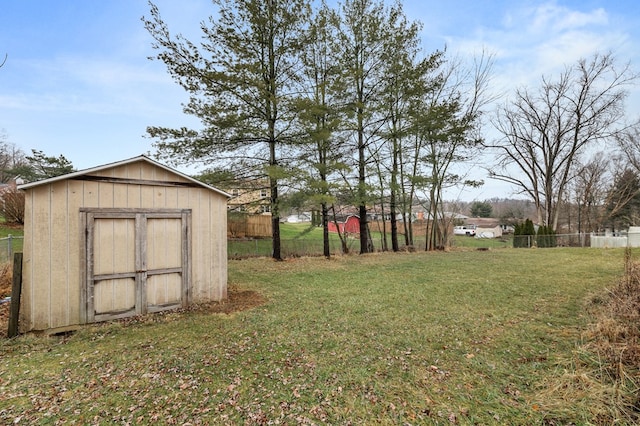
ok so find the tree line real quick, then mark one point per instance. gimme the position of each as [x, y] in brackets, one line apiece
[341, 106]
[18, 167]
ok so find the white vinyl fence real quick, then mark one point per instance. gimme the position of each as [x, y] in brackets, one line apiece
[630, 238]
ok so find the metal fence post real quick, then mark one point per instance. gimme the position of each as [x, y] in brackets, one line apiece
[9, 246]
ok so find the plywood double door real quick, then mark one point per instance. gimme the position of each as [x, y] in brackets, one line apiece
[137, 261]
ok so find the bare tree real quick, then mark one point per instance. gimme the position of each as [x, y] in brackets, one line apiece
[622, 205]
[544, 132]
[12, 206]
[629, 143]
[589, 192]
[12, 159]
[448, 134]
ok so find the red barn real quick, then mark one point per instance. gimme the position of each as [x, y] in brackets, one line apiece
[351, 225]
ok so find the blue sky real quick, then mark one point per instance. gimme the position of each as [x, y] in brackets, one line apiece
[77, 80]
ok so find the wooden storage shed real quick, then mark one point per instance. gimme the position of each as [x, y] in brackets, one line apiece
[118, 240]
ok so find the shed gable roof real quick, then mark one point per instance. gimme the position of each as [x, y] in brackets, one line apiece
[87, 174]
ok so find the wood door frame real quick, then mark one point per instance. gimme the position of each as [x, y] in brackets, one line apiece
[140, 216]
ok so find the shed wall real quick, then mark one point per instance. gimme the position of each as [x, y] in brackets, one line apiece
[53, 244]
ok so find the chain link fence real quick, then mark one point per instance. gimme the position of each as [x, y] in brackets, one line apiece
[298, 247]
[554, 240]
[9, 245]
[261, 247]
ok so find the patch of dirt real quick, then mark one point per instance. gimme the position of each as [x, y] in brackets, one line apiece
[237, 300]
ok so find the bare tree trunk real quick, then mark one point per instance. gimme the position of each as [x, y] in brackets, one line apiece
[341, 235]
[325, 231]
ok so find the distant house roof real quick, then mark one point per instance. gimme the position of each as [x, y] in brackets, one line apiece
[448, 215]
[144, 158]
[484, 222]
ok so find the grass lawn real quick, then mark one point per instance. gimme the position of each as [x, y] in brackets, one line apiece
[303, 239]
[467, 337]
[297, 239]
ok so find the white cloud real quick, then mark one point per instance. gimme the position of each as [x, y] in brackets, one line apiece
[556, 18]
[530, 42]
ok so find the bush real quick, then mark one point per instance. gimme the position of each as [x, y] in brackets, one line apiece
[12, 207]
[546, 237]
[523, 234]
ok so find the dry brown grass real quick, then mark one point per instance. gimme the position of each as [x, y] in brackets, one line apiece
[616, 336]
[615, 339]
[604, 375]
[6, 275]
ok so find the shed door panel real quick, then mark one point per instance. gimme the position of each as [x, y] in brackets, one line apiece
[164, 263]
[115, 297]
[114, 246]
[114, 284]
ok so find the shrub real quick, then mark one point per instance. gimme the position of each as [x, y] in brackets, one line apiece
[523, 234]
[546, 237]
[12, 206]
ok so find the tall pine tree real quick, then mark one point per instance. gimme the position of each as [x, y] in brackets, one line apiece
[241, 80]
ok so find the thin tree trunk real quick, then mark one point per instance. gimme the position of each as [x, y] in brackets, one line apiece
[343, 239]
[392, 200]
[325, 231]
[365, 241]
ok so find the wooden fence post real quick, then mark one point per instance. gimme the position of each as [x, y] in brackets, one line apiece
[16, 290]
